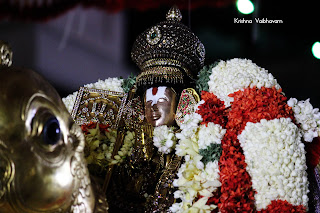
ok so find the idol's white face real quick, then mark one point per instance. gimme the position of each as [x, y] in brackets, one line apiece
[160, 106]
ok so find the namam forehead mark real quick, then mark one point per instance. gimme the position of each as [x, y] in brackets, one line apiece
[153, 94]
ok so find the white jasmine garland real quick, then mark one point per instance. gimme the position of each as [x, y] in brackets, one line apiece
[194, 178]
[190, 126]
[101, 146]
[276, 162]
[237, 74]
[212, 133]
[192, 182]
[164, 138]
[125, 150]
[307, 116]
[110, 84]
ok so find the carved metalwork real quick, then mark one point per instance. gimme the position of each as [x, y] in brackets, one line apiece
[133, 113]
[100, 106]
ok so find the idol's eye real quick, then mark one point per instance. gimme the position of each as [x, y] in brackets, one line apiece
[51, 132]
[162, 100]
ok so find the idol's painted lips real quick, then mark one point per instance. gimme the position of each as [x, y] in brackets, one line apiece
[155, 116]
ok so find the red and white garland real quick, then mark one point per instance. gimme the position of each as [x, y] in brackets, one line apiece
[276, 161]
[262, 167]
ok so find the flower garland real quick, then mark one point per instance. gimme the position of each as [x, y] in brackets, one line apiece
[262, 166]
[100, 141]
[212, 109]
[307, 116]
[164, 139]
[198, 176]
[276, 161]
[237, 74]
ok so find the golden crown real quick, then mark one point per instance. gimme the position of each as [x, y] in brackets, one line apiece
[168, 52]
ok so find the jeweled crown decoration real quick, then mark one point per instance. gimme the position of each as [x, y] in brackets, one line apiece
[168, 52]
[5, 54]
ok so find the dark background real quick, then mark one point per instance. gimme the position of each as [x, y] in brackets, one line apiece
[85, 44]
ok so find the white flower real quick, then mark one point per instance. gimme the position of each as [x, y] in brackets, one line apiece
[201, 207]
[164, 139]
[195, 178]
[125, 150]
[212, 133]
[110, 84]
[196, 107]
[190, 126]
[237, 74]
[176, 207]
[187, 147]
[69, 101]
[193, 181]
[276, 162]
[307, 116]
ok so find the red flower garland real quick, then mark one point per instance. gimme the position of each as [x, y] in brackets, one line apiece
[277, 206]
[237, 194]
[250, 105]
[213, 110]
[253, 104]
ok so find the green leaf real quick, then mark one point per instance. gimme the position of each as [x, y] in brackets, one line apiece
[129, 82]
[203, 78]
[211, 153]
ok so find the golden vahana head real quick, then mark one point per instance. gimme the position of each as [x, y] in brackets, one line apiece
[42, 168]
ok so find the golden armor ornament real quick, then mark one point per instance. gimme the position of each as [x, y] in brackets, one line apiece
[42, 168]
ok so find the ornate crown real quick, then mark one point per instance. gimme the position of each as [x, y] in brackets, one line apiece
[5, 54]
[168, 52]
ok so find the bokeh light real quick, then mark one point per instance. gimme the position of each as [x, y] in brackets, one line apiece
[316, 50]
[245, 6]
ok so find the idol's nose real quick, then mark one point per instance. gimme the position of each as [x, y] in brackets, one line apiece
[154, 108]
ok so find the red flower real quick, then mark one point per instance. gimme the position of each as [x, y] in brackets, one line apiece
[104, 127]
[253, 104]
[92, 125]
[283, 207]
[237, 194]
[86, 127]
[215, 199]
[213, 110]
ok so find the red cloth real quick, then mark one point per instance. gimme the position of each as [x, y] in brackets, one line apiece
[313, 152]
[33, 11]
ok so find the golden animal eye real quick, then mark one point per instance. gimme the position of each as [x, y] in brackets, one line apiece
[51, 133]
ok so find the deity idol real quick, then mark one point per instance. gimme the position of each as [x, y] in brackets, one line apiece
[169, 56]
[42, 168]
